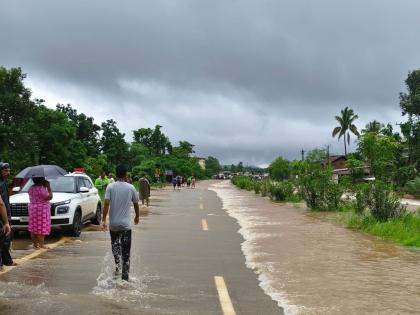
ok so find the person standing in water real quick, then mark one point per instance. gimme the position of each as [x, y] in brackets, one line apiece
[144, 189]
[4, 227]
[118, 197]
[39, 208]
[6, 258]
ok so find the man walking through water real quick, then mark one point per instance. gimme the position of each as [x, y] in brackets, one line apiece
[118, 197]
[144, 189]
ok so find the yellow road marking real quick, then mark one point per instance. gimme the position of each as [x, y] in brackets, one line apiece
[35, 254]
[201, 206]
[225, 302]
[204, 225]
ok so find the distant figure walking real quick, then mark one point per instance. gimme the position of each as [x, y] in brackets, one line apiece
[179, 182]
[193, 182]
[174, 181]
[144, 190]
[118, 197]
[39, 209]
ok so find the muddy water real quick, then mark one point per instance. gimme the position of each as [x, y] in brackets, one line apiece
[314, 267]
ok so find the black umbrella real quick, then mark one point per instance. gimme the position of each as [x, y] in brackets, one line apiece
[41, 171]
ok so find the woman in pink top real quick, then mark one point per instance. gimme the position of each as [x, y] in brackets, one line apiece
[40, 195]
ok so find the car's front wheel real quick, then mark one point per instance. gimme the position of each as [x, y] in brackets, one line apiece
[98, 215]
[76, 227]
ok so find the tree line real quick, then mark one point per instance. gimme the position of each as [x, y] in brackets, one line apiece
[32, 134]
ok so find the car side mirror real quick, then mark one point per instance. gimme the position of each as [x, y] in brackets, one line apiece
[84, 189]
[16, 189]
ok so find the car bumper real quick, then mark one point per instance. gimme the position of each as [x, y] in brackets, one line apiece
[21, 223]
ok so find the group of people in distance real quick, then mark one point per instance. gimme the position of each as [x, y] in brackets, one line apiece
[178, 181]
[102, 182]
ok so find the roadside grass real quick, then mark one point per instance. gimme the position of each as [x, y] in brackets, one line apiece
[404, 230]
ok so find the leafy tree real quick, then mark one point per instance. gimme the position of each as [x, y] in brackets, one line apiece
[153, 139]
[212, 166]
[316, 155]
[316, 186]
[279, 169]
[86, 130]
[56, 144]
[410, 106]
[345, 126]
[113, 144]
[373, 126]
[95, 165]
[240, 167]
[382, 153]
[137, 154]
[184, 150]
[16, 114]
[356, 169]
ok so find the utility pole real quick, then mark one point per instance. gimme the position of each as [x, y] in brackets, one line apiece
[328, 153]
[303, 154]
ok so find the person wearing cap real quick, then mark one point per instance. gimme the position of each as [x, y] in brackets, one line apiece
[5, 257]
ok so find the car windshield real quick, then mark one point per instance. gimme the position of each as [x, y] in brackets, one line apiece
[64, 184]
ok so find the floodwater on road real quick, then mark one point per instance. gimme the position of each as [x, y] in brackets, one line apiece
[310, 266]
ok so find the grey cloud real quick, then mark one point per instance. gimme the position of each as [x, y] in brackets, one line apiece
[232, 69]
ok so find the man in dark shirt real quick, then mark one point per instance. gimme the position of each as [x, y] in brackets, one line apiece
[5, 257]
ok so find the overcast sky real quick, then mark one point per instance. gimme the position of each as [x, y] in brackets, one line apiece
[242, 80]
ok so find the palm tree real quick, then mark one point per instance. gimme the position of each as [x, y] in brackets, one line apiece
[373, 126]
[346, 126]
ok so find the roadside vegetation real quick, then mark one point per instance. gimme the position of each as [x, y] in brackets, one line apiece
[384, 168]
[31, 134]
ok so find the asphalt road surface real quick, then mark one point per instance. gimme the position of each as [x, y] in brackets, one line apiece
[186, 259]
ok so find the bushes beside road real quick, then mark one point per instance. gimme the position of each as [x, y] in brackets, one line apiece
[375, 209]
[276, 190]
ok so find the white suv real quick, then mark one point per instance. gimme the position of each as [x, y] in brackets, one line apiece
[75, 201]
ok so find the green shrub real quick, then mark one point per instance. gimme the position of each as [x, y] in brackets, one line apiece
[257, 187]
[280, 191]
[380, 199]
[265, 188]
[413, 187]
[362, 198]
[244, 182]
[317, 187]
[384, 204]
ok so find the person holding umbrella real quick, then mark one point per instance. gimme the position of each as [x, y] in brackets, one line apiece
[39, 208]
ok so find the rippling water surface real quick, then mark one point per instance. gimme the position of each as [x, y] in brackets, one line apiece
[314, 267]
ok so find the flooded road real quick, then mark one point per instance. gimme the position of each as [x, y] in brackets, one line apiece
[174, 265]
[314, 267]
[271, 257]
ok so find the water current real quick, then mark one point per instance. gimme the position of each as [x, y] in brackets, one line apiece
[310, 266]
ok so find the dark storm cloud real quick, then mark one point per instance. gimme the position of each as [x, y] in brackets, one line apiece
[237, 78]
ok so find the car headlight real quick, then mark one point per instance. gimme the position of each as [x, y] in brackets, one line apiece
[65, 202]
[62, 209]
[62, 206]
